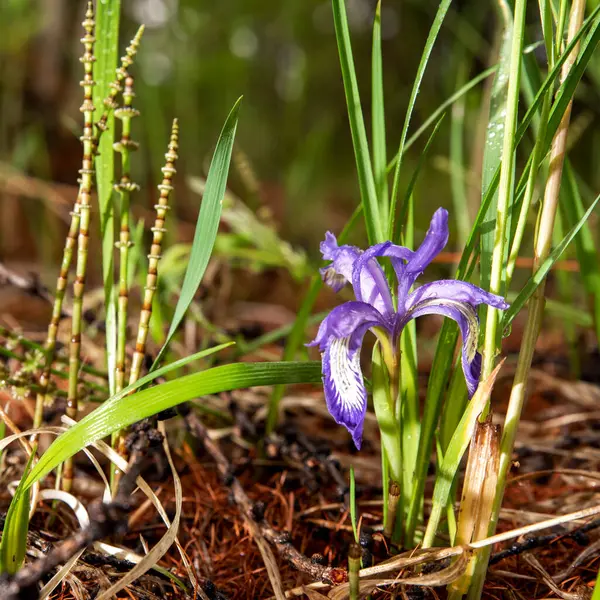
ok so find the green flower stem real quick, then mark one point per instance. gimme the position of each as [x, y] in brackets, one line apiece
[505, 186]
[84, 200]
[543, 243]
[124, 187]
[385, 412]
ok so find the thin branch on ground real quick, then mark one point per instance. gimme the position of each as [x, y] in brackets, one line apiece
[254, 518]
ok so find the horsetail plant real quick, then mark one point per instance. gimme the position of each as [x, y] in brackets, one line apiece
[122, 73]
[71, 238]
[158, 231]
[84, 201]
[125, 187]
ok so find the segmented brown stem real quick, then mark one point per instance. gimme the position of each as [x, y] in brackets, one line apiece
[86, 181]
[124, 187]
[155, 254]
[71, 239]
[158, 232]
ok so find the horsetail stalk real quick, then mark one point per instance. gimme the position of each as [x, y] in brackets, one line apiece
[110, 102]
[86, 182]
[124, 187]
[158, 232]
[71, 239]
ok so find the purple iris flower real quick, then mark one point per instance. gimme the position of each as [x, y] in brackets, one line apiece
[341, 333]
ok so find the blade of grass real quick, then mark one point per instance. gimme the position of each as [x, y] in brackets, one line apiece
[433, 33]
[458, 170]
[378, 119]
[118, 414]
[494, 143]
[14, 535]
[506, 194]
[207, 224]
[106, 49]
[353, 515]
[366, 181]
[587, 253]
[536, 279]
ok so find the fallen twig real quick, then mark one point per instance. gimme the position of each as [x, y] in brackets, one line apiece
[261, 530]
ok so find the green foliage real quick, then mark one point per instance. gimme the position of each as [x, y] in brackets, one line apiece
[366, 182]
[121, 412]
[14, 535]
[207, 224]
[106, 50]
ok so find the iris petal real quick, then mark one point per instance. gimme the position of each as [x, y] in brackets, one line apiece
[342, 261]
[368, 279]
[465, 316]
[345, 391]
[345, 320]
[459, 291]
[435, 240]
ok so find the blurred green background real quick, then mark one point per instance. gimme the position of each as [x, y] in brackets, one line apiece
[294, 153]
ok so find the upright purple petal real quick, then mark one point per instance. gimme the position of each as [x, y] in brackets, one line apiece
[459, 291]
[435, 240]
[342, 262]
[347, 318]
[368, 279]
[466, 318]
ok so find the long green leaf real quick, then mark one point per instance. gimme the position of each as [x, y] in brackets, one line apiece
[366, 181]
[441, 109]
[433, 33]
[493, 143]
[113, 416]
[14, 535]
[106, 50]
[378, 118]
[537, 278]
[207, 224]
[567, 89]
[585, 246]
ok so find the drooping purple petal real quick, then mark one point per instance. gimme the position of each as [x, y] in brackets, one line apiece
[345, 392]
[466, 318]
[435, 240]
[342, 261]
[346, 319]
[340, 337]
[459, 291]
[368, 279]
